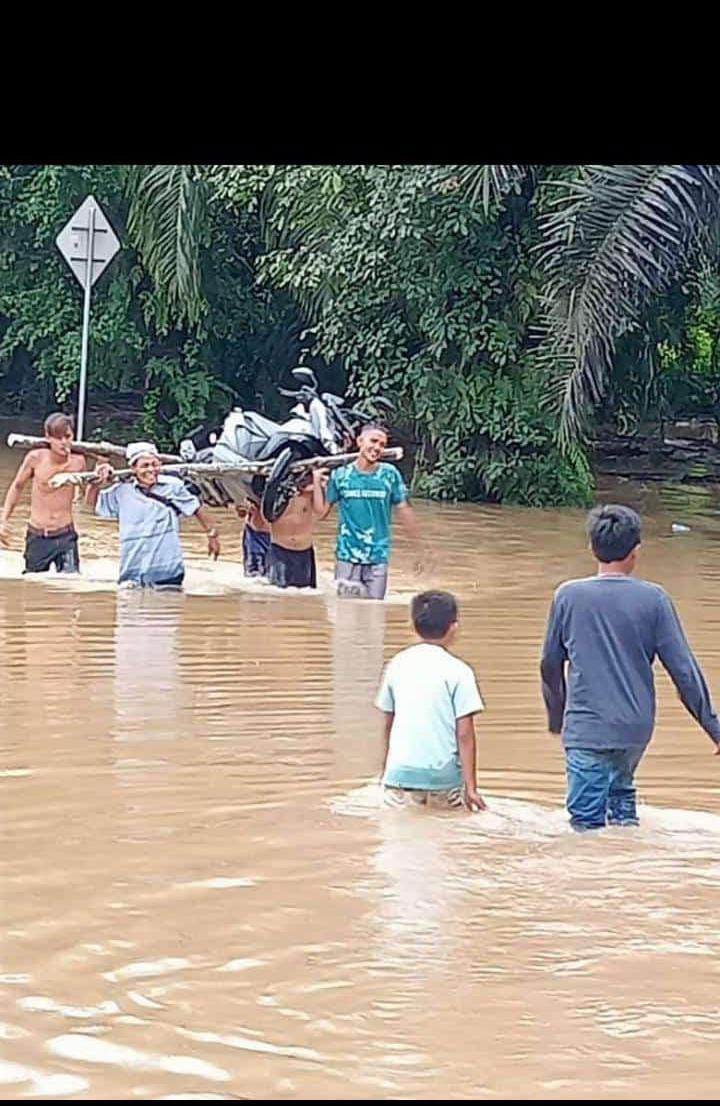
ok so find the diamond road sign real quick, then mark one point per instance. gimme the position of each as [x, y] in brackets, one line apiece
[88, 243]
[88, 235]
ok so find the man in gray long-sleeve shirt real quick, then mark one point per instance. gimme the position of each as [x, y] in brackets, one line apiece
[609, 628]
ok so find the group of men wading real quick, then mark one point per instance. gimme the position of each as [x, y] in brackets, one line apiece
[603, 634]
[150, 505]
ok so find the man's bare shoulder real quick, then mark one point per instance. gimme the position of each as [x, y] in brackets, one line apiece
[32, 459]
[45, 460]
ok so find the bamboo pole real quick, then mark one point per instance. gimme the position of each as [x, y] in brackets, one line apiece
[215, 469]
[85, 449]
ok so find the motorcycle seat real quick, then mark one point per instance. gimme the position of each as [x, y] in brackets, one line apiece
[258, 424]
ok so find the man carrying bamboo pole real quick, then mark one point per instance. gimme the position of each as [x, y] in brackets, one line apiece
[51, 538]
[148, 508]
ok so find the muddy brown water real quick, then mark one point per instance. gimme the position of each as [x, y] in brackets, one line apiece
[200, 896]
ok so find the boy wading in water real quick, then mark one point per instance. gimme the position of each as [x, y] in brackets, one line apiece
[51, 538]
[291, 557]
[609, 628]
[429, 698]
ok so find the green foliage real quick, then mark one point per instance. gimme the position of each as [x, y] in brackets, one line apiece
[489, 439]
[690, 364]
[40, 299]
[671, 367]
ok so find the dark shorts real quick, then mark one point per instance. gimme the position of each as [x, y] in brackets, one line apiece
[256, 546]
[151, 582]
[291, 568]
[51, 547]
[169, 582]
[361, 581]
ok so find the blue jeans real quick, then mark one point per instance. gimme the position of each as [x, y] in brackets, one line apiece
[601, 788]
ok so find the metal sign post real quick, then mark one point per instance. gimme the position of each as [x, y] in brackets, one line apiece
[88, 243]
[85, 324]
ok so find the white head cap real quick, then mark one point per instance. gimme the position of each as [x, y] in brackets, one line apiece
[136, 450]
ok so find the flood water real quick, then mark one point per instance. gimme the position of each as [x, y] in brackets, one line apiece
[200, 896]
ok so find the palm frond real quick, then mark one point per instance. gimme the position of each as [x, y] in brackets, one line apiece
[484, 184]
[614, 238]
[168, 224]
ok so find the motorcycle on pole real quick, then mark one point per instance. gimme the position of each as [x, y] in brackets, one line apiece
[320, 425]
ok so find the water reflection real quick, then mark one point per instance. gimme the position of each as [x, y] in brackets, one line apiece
[358, 641]
[149, 697]
[423, 875]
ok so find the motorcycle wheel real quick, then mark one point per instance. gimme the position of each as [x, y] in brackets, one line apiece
[278, 486]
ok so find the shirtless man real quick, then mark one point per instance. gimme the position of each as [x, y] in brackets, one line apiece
[291, 560]
[51, 536]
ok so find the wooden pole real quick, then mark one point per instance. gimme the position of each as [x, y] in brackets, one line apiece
[246, 468]
[85, 449]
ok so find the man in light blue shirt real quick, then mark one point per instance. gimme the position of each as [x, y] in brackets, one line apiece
[366, 493]
[148, 508]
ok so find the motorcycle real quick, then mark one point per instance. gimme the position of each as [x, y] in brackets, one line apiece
[320, 425]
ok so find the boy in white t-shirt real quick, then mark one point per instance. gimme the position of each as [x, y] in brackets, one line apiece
[429, 698]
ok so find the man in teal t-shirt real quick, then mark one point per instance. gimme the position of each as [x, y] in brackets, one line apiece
[365, 492]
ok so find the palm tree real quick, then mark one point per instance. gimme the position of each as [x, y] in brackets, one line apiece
[613, 238]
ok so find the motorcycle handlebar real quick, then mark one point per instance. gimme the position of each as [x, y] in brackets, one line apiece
[346, 416]
[305, 393]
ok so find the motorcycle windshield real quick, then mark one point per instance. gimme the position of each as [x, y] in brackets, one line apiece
[243, 437]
